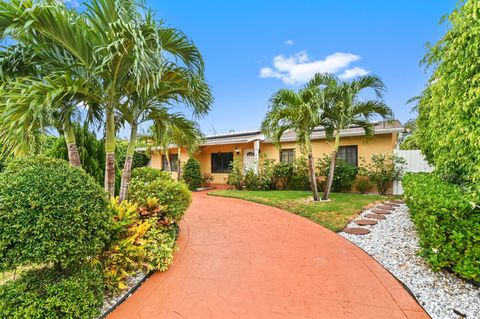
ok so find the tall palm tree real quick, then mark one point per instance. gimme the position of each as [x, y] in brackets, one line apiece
[177, 85]
[112, 44]
[300, 112]
[343, 108]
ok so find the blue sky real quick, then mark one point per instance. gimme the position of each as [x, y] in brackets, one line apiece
[239, 38]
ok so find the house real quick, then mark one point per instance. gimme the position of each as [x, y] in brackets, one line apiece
[216, 153]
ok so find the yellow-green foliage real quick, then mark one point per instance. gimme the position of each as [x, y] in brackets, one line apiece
[448, 130]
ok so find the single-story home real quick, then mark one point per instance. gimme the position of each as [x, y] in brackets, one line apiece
[218, 150]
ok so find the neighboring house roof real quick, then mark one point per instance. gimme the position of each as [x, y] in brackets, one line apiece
[382, 127]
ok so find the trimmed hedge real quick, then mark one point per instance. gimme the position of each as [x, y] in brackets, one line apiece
[192, 174]
[148, 175]
[50, 212]
[447, 222]
[53, 294]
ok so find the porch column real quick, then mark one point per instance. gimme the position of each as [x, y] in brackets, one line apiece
[256, 153]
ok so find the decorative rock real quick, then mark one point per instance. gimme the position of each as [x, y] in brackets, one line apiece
[385, 207]
[397, 201]
[381, 211]
[364, 222]
[374, 216]
[356, 231]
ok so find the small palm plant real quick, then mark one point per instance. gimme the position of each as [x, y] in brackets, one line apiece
[343, 108]
[297, 111]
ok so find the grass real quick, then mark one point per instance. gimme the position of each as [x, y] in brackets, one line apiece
[333, 215]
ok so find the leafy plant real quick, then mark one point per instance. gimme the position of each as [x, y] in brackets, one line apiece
[235, 178]
[174, 197]
[300, 179]
[50, 212]
[54, 294]
[344, 175]
[192, 174]
[448, 123]
[383, 169]
[140, 159]
[282, 173]
[363, 185]
[147, 175]
[126, 253]
[447, 222]
[160, 246]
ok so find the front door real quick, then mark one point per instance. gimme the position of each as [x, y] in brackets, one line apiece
[248, 160]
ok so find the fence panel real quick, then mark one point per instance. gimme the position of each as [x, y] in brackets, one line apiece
[415, 163]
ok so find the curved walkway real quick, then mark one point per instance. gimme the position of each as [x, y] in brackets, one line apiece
[244, 260]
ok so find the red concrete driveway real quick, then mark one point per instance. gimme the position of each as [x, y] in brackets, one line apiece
[244, 260]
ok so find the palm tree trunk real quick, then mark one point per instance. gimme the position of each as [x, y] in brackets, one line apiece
[167, 158]
[179, 168]
[333, 160]
[127, 167]
[73, 156]
[311, 168]
[110, 153]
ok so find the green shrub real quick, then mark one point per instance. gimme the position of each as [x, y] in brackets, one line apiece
[192, 174]
[363, 185]
[173, 197]
[344, 174]
[148, 175]
[90, 149]
[235, 178]
[282, 173]
[300, 179]
[383, 169]
[53, 294]
[447, 222]
[50, 212]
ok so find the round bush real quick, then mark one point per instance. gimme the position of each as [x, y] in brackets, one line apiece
[192, 174]
[174, 197]
[49, 293]
[148, 175]
[50, 212]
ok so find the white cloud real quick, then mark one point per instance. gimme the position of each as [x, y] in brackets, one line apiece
[289, 42]
[352, 73]
[299, 68]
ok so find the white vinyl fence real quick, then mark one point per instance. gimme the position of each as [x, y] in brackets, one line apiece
[415, 163]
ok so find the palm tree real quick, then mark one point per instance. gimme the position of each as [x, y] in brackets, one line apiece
[300, 112]
[344, 108]
[177, 85]
[190, 137]
[110, 45]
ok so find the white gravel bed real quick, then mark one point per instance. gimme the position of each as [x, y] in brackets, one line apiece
[111, 300]
[394, 244]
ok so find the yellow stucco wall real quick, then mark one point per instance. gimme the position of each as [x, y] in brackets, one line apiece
[378, 144]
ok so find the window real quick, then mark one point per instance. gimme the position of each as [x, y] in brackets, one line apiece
[173, 162]
[221, 162]
[287, 156]
[349, 154]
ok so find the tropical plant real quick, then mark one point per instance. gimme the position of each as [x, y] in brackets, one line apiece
[300, 179]
[109, 52]
[343, 108]
[192, 174]
[383, 169]
[299, 112]
[282, 173]
[235, 177]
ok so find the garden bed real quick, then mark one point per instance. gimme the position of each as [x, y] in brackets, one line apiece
[393, 242]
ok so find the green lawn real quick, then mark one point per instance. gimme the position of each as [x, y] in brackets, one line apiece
[334, 215]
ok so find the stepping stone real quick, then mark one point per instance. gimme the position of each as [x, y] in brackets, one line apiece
[391, 205]
[385, 207]
[381, 211]
[364, 222]
[375, 216]
[356, 231]
[397, 201]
